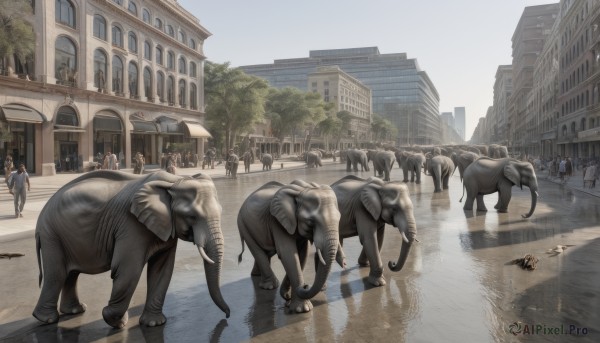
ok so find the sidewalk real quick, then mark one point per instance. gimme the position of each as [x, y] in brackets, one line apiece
[574, 182]
[43, 187]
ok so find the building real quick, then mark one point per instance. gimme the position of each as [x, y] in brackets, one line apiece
[401, 91]
[502, 94]
[447, 118]
[120, 76]
[348, 94]
[460, 121]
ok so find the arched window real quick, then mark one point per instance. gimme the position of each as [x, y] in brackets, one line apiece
[132, 8]
[160, 86]
[564, 130]
[192, 44]
[158, 23]
[572, 127]
[117, 37]
[132, 42]
[193, 96]
[146, 16]
[148, 83]
[193, 72]
[67, 116]
[65, 12]
[582, 124]
[65, 61]
[171, 60]
[100, 67]
[159, 55]
[132, 73]
[181, 36]
[99, 27]
[182, 93]
[171, 90]
[117, 75]
[182, 65]
[170, 31]
[147, 51]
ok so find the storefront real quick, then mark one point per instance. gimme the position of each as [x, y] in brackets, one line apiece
[18, 125]
[108, 136]
[171, 135]
[144, 136]
[67, 137]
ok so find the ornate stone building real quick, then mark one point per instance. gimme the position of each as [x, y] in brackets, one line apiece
[108, 75]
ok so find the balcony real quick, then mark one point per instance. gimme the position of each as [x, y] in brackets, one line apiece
[589, 135]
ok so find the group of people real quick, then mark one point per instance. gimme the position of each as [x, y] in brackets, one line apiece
[187, 159]
[16, 181]
[565, 167]
[110, 161]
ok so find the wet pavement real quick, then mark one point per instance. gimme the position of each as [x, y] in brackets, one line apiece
[456, 286]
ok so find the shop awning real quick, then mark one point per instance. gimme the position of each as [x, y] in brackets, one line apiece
[140, 126]
[68, 128]
[22, 114]
[196, 130]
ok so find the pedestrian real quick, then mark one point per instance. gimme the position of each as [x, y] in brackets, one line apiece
[589, 177]
[8, 167]
[171, 163]
[233, 161]
[568, 167]
[562, 169]
[16, 186]
[114, 162]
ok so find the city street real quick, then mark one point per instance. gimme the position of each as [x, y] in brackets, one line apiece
[457, 284]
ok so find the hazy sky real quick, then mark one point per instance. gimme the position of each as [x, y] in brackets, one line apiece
[459, 43]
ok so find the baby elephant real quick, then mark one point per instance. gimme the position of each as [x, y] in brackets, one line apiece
[283, 220]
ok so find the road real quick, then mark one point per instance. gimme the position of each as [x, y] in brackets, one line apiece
[456, 286]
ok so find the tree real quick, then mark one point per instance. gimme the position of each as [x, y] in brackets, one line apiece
[329, 126]
[345, 118]
[235, 100]
[17, 38]
[383, 129]
[290, 108]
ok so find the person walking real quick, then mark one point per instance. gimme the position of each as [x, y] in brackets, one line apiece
[17, 182]
[8, 167]
[568, 167]
[233, 161]
[589, 177]
[562, 169]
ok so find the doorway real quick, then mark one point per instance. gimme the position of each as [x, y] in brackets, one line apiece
[68, 160]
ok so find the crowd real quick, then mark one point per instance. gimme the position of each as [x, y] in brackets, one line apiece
[565, 167]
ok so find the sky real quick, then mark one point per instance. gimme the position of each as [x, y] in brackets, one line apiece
[458, 43]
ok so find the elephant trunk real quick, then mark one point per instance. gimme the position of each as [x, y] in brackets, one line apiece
[534, 196]
[329, 249]
[405, 221]
[210, 246]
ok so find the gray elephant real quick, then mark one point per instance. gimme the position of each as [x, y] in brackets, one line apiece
[313, 159]
[122, 223]
[267, 161]
[366, 206]
[283, 220]
[402, 159]
[462, 160]
[354, 157]
[497, 151]
[440, 168]
[248, 160]
[383, 161]
[487, 175]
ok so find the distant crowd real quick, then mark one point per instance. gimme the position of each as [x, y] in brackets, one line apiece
[565, 167]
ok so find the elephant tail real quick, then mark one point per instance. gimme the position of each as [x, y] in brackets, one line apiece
[38, 248]
[243, 248]
[463, 195]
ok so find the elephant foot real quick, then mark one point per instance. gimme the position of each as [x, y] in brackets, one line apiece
[468, 208]
[437, 191]
[502, 210]
[418, 182]
[285, 291]
[152, 319]
[113, 319]
[73, 309]
[46, 317]
[405, 181]
[497, 206]
[376, 281]
[482, 209]
[363, 262]
[255, 270]
[299, 305]
[269, 284]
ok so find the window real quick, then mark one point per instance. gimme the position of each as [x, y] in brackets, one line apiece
[192, 44]
[170, 60]
[148, 83]
[132, 8]
[182, 93]
[193, 96]
[193, 72]
[147, 51]
[117, 37]
[158, 23]
[182, 37]
[182, 65]
[170, 31]
[118, 2]
[100, 67]
[65, 61]
[65, 12]
[99, 27]
[67, 116]
[132, 42]
[171, 91]
[160, 86]
[573, 127]
[159, 55]
[117, 75]
[146, 16]
[133, 79]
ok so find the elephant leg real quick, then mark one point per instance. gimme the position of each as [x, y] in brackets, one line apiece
[286, 288]
[418, 176]
[355, 166]
[69, 299]
[371, 249]
[470, 200]
[293, 270]
[160, 269]
[480, 204]
[262, 264]
[503, 200]
[446, 180]
[55, 275]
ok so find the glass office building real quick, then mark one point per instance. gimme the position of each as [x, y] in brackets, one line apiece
[401, 92]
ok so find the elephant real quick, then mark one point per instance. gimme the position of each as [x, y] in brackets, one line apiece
[462, 160]
[383, 161]
[402, 159]
[440, 168]
[497, 151]
[313, 159]
[248, 160]
[282, 219]
[356, 157]
[366, 206]
[411, 162]
[267, 161]
[124, 221]
[487, 175]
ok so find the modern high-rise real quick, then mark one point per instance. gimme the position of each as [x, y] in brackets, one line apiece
[502, 94]
[447, 118]
[459, 121]
[401, 91]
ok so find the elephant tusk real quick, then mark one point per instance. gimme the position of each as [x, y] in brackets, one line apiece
[204, 256]
[404, 238]
[321, 257]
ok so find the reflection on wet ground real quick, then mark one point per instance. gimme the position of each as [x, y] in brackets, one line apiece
[455, 286]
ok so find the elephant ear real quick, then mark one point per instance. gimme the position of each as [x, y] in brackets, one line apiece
[283, 207]
[151, 206]
[511, 173]
[370, 198]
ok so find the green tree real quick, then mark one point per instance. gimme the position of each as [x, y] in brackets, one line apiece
[383, 130]
[17, 38]
[290, 109]
[345, 118]
[329, 126]
[235, 100]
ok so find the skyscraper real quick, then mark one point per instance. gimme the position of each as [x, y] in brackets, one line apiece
[459, 121]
